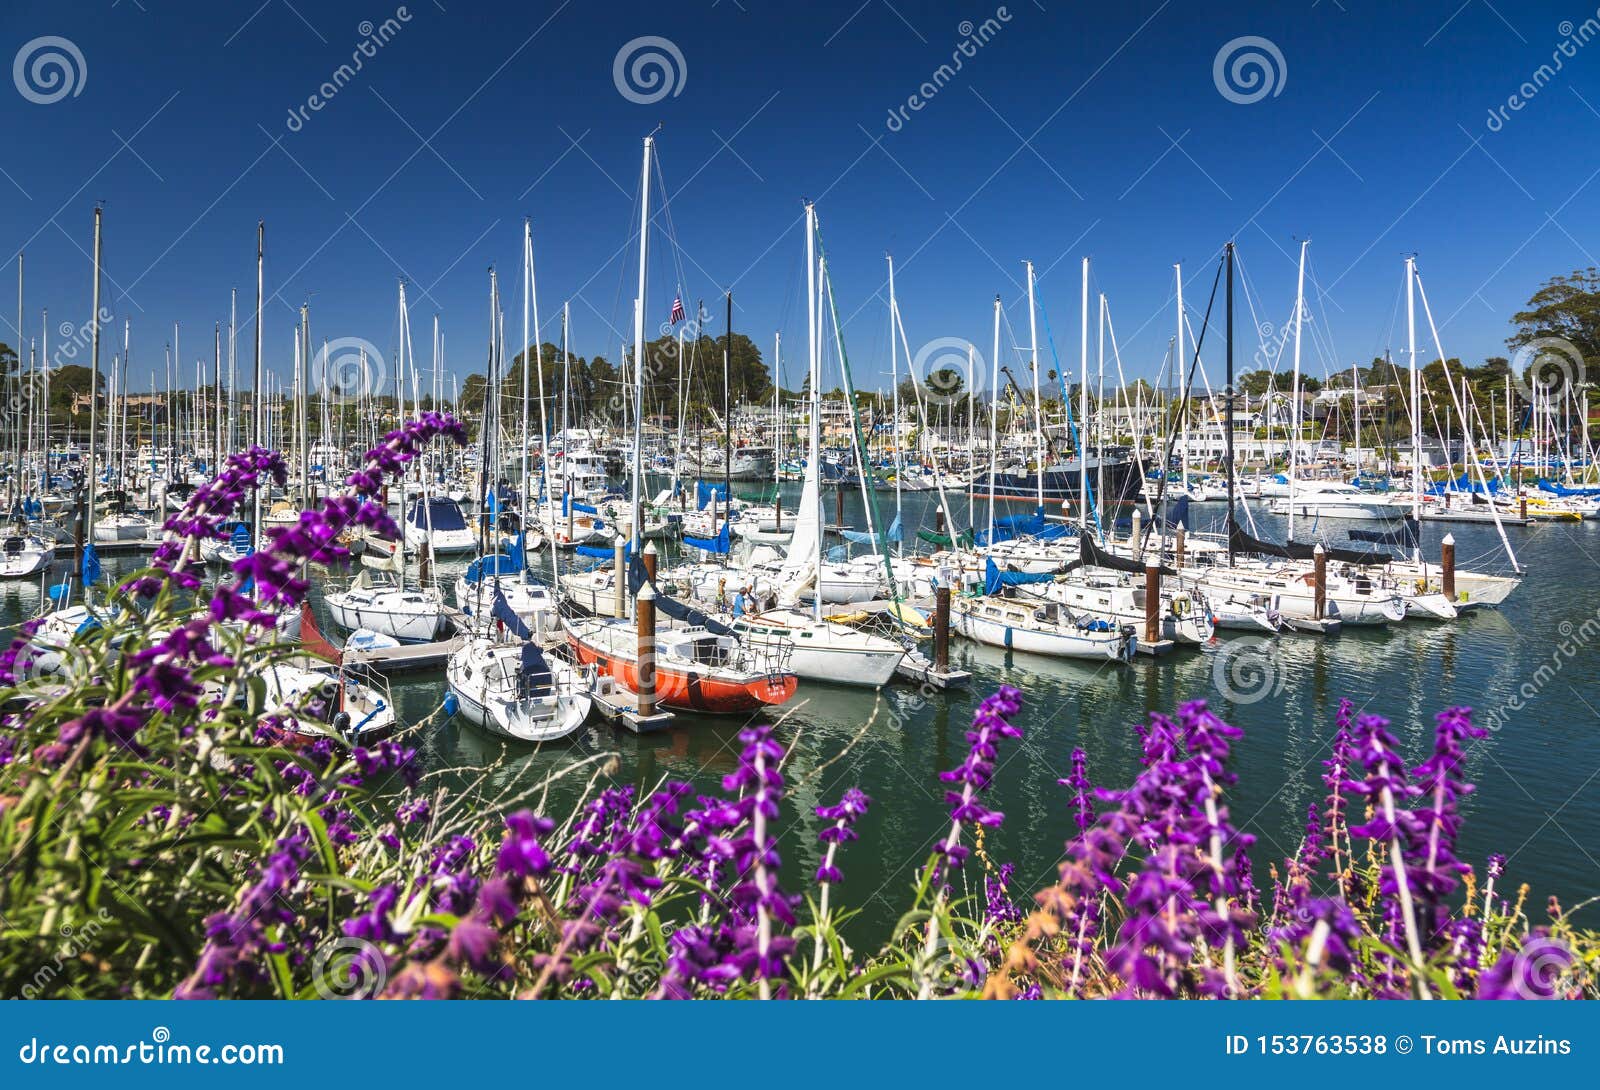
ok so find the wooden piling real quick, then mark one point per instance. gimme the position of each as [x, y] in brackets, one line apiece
[646, 619]
[1134, 526]
[619, 598]
[838, 504]
[1447, 564]
[941, 628]
[1152, 603]
[1178, 544]
[1319, 609]
[649, 558]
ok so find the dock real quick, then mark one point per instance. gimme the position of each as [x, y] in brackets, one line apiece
[1328, 626]
[619, 706]
[406, 657]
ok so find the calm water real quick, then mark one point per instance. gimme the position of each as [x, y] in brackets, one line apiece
[1537, 799]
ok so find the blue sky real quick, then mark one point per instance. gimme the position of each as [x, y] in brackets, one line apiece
[1073, 131]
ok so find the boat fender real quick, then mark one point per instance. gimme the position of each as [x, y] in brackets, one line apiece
[451, 704]
[341, 724]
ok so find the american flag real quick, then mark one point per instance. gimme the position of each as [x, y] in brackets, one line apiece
[677, 311]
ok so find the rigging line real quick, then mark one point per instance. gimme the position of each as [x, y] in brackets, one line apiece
[1077, 439]
[1183, 402]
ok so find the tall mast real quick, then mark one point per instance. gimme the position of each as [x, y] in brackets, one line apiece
[1083, 402]
[1227, 408]
[814, 409]
[994, 418]
[233, 368]
[86, 523]
[257, 403]
[1416, 388]
[727, 409]
[638, 345]
[538, 374]
[14, 479]
[894, 378]
[1041, 447]
[1294, 416]
[527, 272]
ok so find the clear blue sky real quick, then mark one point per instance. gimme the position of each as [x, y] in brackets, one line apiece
[1078, 130]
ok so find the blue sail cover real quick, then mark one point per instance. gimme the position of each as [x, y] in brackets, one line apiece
[861, 537]
[91, 565]
[584, 508]
[1564, 490]
[602, 552]
[704, 493]
[441, 514]
[718, 544]
[994, 580]
[502, 612]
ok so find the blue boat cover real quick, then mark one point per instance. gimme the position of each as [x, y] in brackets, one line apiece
[994, 579]
[718, 544]
[704, 492]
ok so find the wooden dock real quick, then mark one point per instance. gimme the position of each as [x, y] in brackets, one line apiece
[619, 706]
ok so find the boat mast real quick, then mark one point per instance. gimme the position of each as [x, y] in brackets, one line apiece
[894, 378]
[1416, 403]
[814, 409]
[638, 344]
[256, 403]
[1041, 448]
[1083, 404]
[1228, 405]
[994, 418]
[1294, 416]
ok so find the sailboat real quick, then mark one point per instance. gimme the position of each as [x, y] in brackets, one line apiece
[510, 687]
[315, 695]
[698, 663]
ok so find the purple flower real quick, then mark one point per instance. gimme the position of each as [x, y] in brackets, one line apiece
[521, 853]
[990, 723]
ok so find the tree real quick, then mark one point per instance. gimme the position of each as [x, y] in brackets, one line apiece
[8, 359]
[1565, 308]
